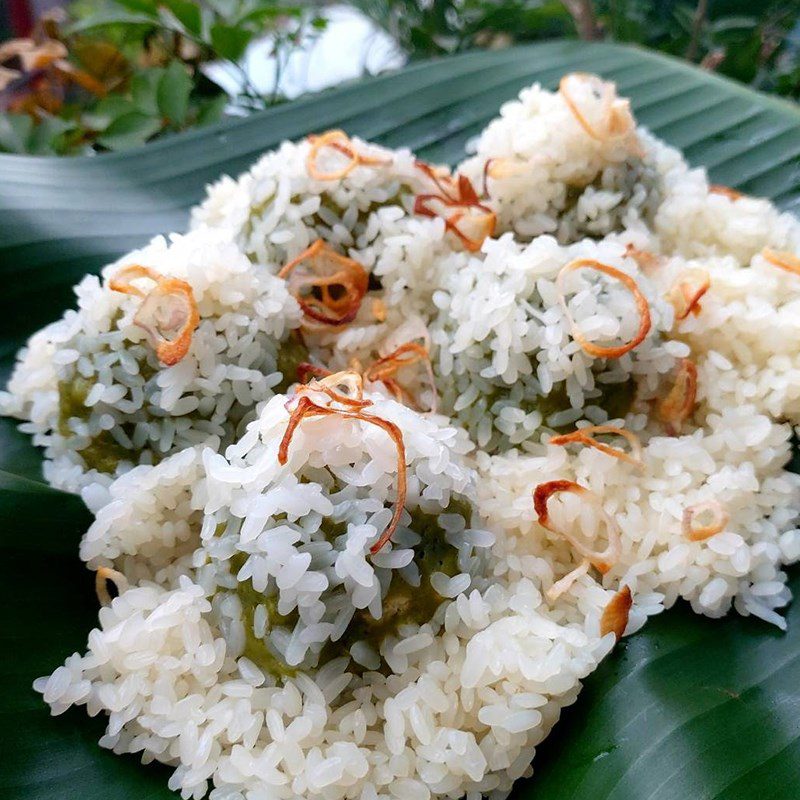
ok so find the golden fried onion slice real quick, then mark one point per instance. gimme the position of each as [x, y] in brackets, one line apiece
[101, 579]
[615, 615]
[501, 168]
[405, 347]
[725, 191]
[695, 530]
[168, 313]
[328, 286]
[348, 405]
[642, 307]
[602, 560]
[584, 436]
[679, 403]
[457, 203]
[594, 103]
[340, 142]
[645, 259]
[782, 259]
[687, 291]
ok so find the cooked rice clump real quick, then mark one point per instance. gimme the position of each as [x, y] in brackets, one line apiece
[544, 172]
[506, 356]
[95, 395]
[257, 645]
[277, 209]
[453, 666]
[749, 326]
[699, 219]
[735, 458]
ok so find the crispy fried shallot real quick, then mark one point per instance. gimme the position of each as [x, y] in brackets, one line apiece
[101, 578]
[328, 286]
[499, 168]
[615, 614]
[407, 345]
[686, 292]
[386, 368]
[168, 313]
[306, 370]
[725, 191]
[348, 405]
[345, 388]
[458, 189]
[564, 584]
[340, 142]
[457, 203]
[121, 282]
[646, 260]
[596, 350]
[710, 510]
[584, 436]
[595, 105]
[782, 259]
[379, 309]
[413, 349]
[602, 560]
[679, 404]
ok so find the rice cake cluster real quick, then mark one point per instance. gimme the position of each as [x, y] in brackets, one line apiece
[384, 459]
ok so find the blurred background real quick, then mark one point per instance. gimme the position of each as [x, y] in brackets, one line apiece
[92, 76]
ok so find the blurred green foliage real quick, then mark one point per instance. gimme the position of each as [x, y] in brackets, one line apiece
[118, 73]
[754, 41]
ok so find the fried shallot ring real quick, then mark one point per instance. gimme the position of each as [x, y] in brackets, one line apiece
[345, 388]
[457, 203]
[615, 615]
[168, 313]
[101, 578]
[583, 436]
[339, 141]
[596, 350]
[679, 404]
[615, 122]
[564, 584]
[725, 191]
[121, 282]
[305, 406]
[378, 309]
[686, 292]
[498, 168]
[646, 260]
[471, 224]
[699, 533]
[340, 284]
[458, 189]
[306, 370]
[386, 367]
[782, 259]
[602, 560]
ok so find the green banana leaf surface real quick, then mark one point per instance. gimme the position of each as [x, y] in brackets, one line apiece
[687, 709]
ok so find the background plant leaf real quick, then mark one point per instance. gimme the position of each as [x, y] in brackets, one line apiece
[111, 17]
[229, 41]
[187, 13]
[15, 131]
[688, 709]
[173, 92]
[149, 7]
[144, 90]
[129, 130]
[211, 110]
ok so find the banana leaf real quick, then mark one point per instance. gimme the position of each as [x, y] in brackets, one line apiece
[687, 709]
